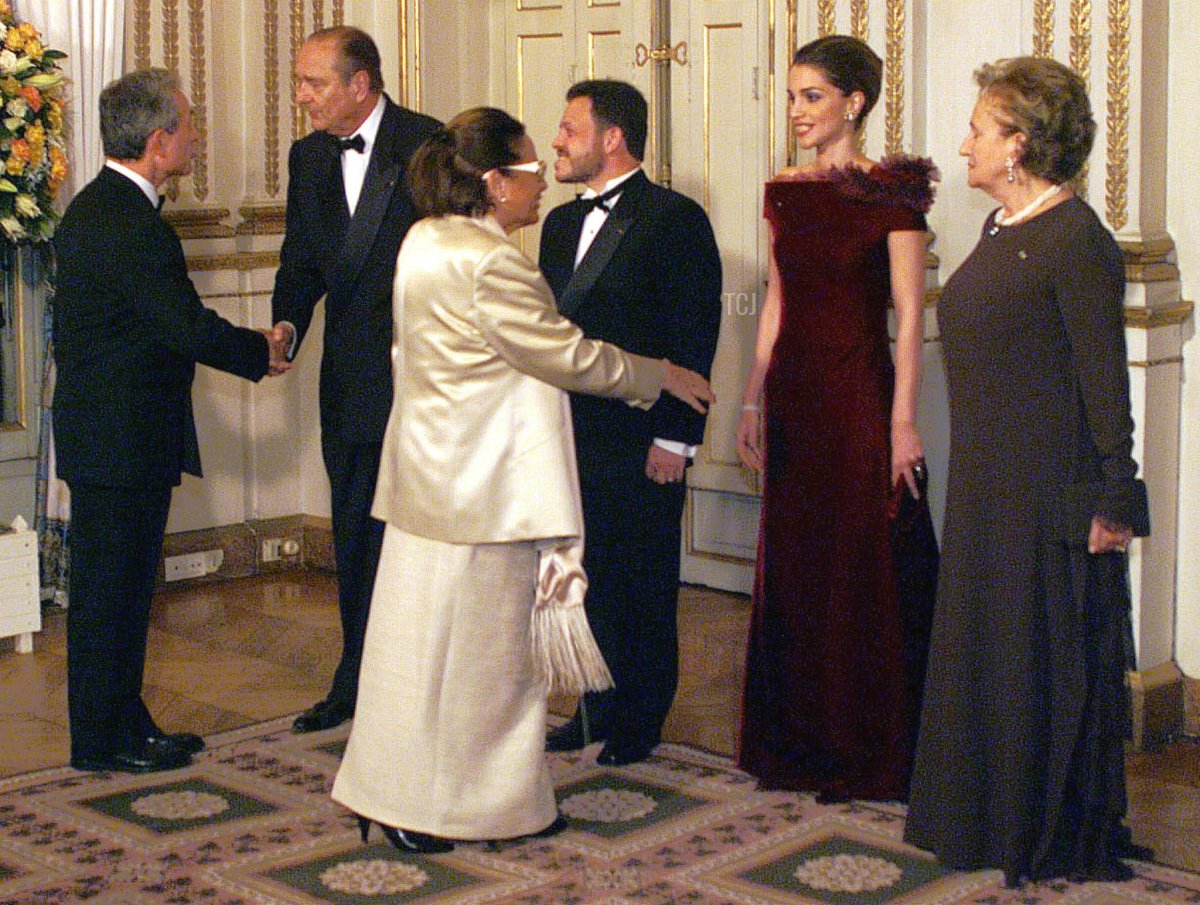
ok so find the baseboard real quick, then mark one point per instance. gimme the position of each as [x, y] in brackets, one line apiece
[304, 542]
[1157, 696]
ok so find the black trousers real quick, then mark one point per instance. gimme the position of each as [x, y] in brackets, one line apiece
[114, 544]
[353, 469]
[631, 555]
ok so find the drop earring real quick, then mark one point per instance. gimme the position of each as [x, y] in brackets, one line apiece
[849, 116]
[1010, 169]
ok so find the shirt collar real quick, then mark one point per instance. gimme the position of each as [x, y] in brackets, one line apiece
[138, 179]
[370, 127]
[611, 184]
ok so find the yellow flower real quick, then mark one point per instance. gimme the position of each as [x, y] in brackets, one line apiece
[14, 40]
[5, 8]
[28, 32]
[37, 153]
[58, 169]
[35, 134]
[14, 166]
[10, 86]
[34, 49]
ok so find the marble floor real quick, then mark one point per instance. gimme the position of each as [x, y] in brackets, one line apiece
[231, 653]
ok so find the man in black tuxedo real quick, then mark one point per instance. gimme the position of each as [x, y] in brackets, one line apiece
[129, 328]
[634, 264]
[348, 209]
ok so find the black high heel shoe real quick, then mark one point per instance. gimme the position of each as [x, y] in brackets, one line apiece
[407, 840]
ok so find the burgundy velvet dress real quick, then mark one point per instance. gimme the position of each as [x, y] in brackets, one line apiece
[828, 704]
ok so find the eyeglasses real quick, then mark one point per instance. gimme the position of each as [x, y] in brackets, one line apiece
[537, 167]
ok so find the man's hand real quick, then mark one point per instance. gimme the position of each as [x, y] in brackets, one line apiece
[278, 344]
[664, 466]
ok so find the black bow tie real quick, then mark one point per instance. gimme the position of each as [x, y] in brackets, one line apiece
[602, 201]
[354, 143]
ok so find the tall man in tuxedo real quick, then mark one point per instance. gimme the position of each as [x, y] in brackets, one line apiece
[348, 209]
[634, 264]
[129, 328]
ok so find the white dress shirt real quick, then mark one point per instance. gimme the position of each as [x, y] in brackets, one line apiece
[354, 164]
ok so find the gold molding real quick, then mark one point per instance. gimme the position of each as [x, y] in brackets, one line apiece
[706, 80]
[241, 261]
[402, 21]
[1081, 62]
[591, 49]
[261, 220]
[1155, 249]
[271, 97]
[825, 17]
[296, 23]
[792, 15]
[199, 88]
[141, 34]
[170, 27]
[1043, 28]
[339, 12]
[1115, 183]
[894, 70]
[860, 19]
[689, 538]
[200, 223]
[318, 11]
[416, 85]
[1151, 272]
[1153, 318]
[1157, 362]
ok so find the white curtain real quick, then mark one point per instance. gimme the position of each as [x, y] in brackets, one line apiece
[92, 34]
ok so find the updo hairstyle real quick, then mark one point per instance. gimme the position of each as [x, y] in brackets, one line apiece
[1048, 103]
[847, 63]
[445, 174]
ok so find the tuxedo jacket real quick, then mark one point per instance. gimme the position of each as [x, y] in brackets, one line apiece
[651, 284]
[479, 447]
[129, 328]
[349, 261]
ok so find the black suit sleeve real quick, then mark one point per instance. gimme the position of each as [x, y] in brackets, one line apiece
[299, 281]
[166, 303]
[690, 305]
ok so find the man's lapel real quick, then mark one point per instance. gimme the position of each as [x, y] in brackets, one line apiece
[604, 245]
[383, 176]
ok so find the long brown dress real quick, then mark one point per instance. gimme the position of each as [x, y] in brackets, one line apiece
[828, 705]
[1020, 763]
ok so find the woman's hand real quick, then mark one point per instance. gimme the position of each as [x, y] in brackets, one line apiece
[688, 386]
[907, 455]
[1107, 536]
[749, 439]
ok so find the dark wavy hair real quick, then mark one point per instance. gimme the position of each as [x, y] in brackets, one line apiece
[445, 175]
[1048, 103]
[849, 64]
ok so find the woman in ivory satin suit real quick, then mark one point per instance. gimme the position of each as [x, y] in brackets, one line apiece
[478, 491]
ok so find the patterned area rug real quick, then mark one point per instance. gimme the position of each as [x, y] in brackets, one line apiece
[252, 822]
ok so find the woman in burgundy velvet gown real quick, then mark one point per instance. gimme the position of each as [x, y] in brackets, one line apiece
[833, 673]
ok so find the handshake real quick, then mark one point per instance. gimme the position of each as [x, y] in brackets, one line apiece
[279, 344]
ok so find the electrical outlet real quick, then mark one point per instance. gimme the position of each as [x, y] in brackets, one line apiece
[192, 565]
[271, 549]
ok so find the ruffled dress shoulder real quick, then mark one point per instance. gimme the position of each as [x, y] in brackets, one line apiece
[900, 182]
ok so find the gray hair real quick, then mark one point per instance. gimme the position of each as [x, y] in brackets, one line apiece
[134, 106]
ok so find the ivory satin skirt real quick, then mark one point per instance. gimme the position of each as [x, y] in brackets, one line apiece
[449, 731]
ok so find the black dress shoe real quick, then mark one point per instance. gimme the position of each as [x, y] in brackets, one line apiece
[569, 737]
[323, 715]
[407, 840]
[187, 742]
[618, 754]
[152, 756]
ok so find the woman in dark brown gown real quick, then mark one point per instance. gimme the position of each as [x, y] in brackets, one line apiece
[829, 705]
[1020, 760]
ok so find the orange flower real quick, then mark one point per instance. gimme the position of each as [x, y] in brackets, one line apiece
[5, 8]
[19, 151]
[58, 169]
[33, 97]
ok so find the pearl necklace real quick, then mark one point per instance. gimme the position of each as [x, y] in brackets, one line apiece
[1024, 213]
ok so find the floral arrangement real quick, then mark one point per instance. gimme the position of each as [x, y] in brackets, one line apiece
[33, 162]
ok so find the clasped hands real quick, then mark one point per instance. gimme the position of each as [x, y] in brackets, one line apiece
[279, 344]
